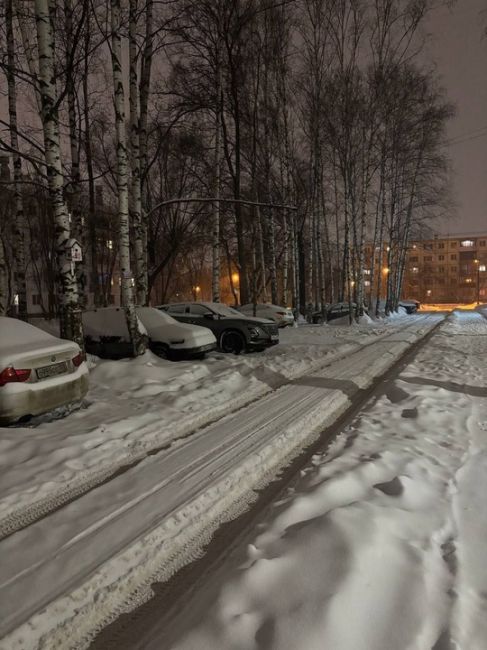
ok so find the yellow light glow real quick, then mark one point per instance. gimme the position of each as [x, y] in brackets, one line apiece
[197, 289]
[235, 278]
[385, 270]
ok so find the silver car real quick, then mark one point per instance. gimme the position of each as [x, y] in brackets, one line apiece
[283, 316]
[38, 372]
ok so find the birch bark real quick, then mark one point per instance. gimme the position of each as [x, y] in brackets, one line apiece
[135, 181]
[19, 222]
[126, 277]
[69, 312]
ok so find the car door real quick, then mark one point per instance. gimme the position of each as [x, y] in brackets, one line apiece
[201, 315]
[180, 312]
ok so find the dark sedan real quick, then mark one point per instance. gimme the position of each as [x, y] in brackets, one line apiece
[234, 331]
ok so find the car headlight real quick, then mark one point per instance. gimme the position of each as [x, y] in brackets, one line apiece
[255, 332]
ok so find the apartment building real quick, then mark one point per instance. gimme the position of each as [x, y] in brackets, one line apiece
[447, 269]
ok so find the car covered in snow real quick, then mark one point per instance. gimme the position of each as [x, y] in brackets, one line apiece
[107, 335]
[173, 340]
[235, 332]
[283, 316]
[38, 372]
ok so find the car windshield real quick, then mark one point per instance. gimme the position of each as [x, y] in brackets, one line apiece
[152, 317]
[223, 310]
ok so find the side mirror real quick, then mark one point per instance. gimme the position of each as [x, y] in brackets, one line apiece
[210, 316]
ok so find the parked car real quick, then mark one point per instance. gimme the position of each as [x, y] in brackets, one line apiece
[106, 334]
[235, 332]
[283, 316]
[173, 340]
[38, 372]
[411, 306]
[340, 309]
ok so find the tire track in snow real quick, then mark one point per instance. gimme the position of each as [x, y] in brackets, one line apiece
[65, 494]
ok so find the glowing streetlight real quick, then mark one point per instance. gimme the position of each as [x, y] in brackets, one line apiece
[197, 289]
[385, 270]
[235, 278]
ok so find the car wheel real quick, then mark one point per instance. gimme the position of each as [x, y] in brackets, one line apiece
[232, 341]
[161, 351]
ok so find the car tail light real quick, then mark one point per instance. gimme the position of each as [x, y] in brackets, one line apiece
[11, 374]
[78, 359]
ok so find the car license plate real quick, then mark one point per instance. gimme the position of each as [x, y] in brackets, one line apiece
[274, 337]
[51, 371]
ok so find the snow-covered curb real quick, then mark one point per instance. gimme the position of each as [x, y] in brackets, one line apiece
[124, 581]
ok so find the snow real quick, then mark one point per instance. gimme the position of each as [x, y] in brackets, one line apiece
[111, 542]
[382, 544]
[14, 332]
[137, 405]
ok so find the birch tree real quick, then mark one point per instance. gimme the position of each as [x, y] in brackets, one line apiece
[69, 311]
[122, 175]
[19, 219]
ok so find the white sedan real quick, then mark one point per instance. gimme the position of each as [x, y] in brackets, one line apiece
[173, 340]
[283, 316]
[38, 372]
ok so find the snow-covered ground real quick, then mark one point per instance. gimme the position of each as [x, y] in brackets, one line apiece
[71, 571]
[383, 544]
[135, 406]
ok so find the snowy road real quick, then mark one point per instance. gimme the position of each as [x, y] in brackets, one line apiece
[382, 545]
[84, 560]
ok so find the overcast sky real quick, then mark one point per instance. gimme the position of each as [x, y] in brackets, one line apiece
[456, 43]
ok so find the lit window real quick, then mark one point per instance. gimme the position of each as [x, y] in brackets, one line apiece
[468, 280]
[16, 299]
[109, 243]
[414, 246]
[415, 269]
[466, 243]
[367, 283]
[366, 271]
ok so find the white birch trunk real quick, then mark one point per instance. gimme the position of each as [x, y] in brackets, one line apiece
[78, 229]
[69, 312]
[127, 292]
[215, 275]
[19, 222]
[135, 181]
[3, 281]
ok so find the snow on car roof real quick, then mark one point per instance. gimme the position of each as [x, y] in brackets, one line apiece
[107, 321]
[15, 332]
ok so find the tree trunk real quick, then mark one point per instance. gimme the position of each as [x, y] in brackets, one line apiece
[95, 284]
[77, 221]
[122, 182]
[70, 313]
[3, 280]
[19, 222]
[140, 247]
[215, 275]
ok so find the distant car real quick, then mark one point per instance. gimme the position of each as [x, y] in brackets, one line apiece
[340, 310]
[106, 334]
[283, 316]
[38, 372]
[173, 340]
[411, 306]
[235, 332]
